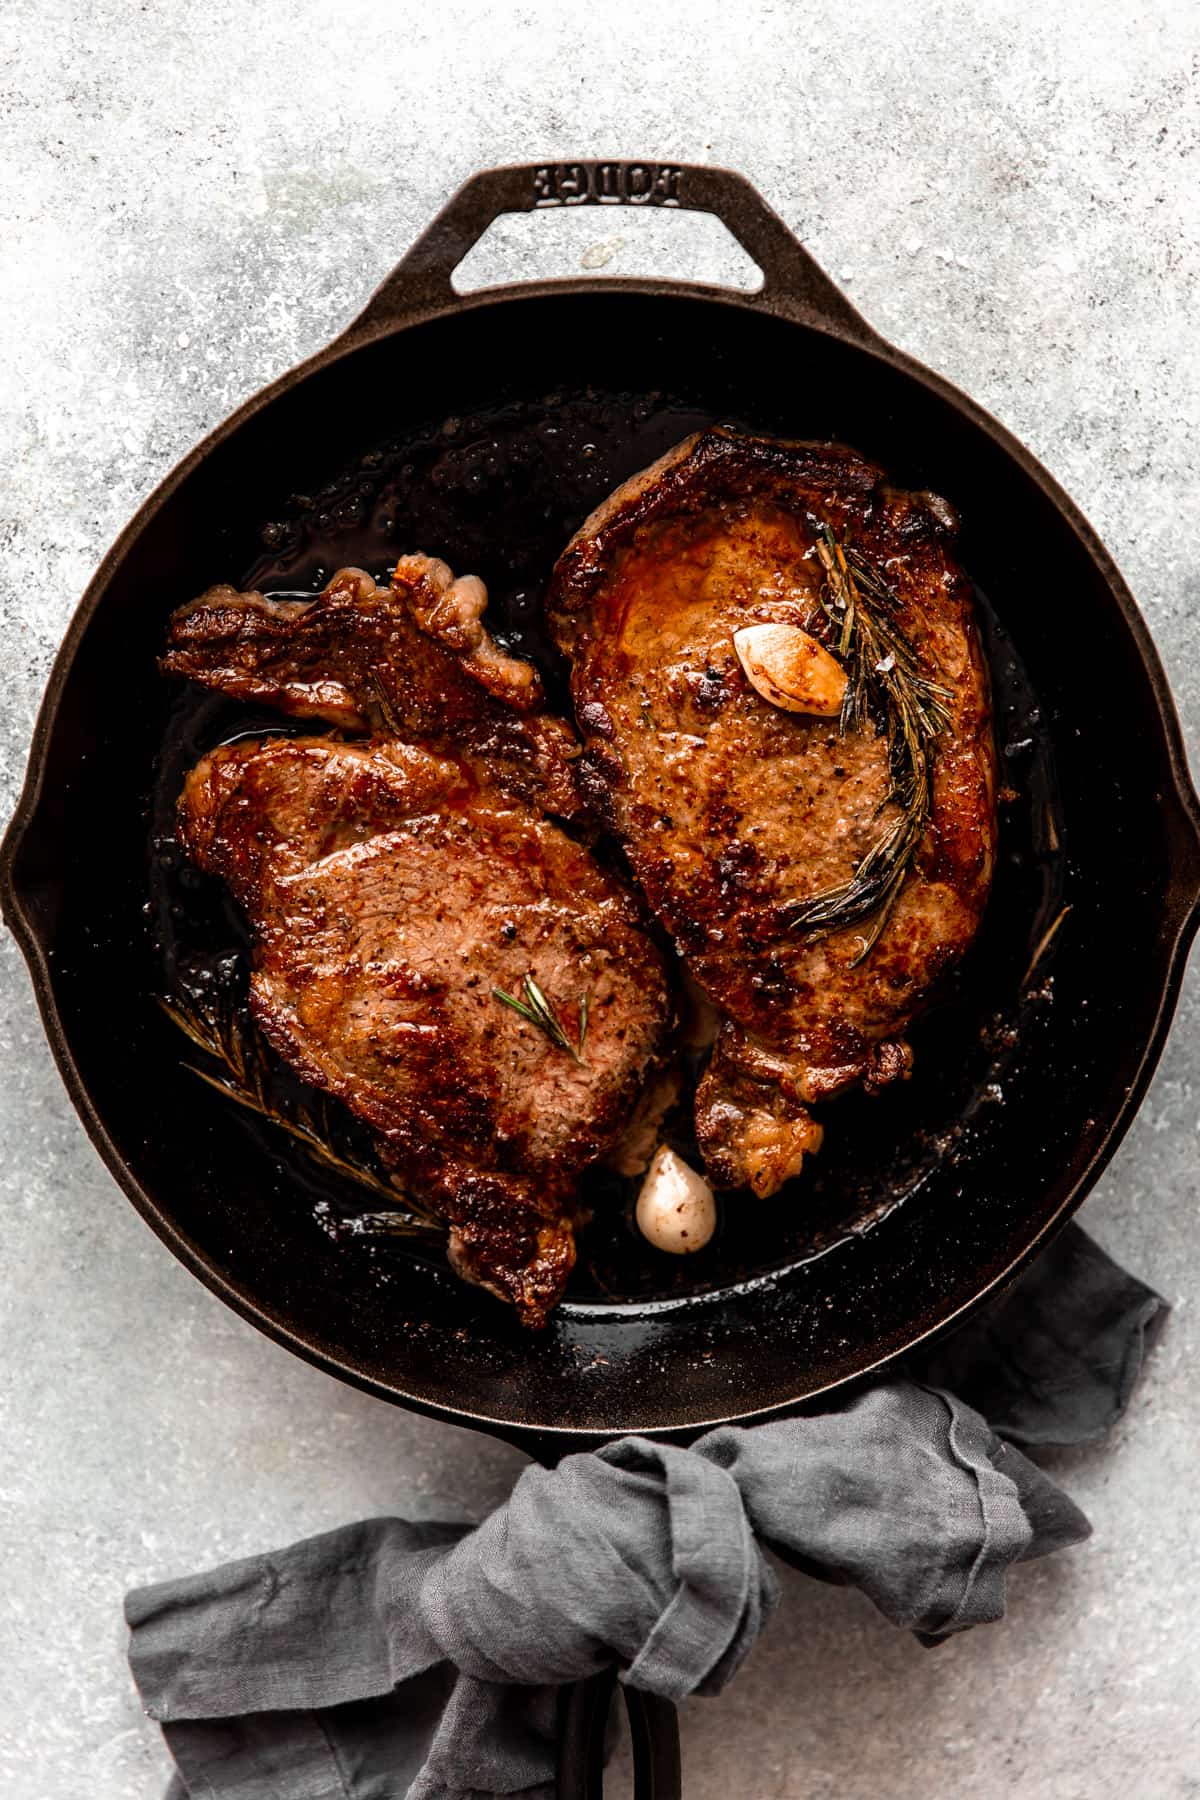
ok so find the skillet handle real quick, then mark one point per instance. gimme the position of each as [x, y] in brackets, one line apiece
[583, 1710]
[794, 285]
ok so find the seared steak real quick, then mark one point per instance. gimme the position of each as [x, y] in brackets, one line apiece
[394, 888]
[742, 821]
[410, 660]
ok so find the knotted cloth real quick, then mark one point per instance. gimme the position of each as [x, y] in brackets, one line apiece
[390, 1659]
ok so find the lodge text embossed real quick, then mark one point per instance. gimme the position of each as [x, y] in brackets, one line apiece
[611, 183]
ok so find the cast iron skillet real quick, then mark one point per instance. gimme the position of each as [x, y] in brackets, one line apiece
[1023, 1099]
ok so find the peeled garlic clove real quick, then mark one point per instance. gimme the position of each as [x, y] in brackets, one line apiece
[791, 669]
[676, 1211]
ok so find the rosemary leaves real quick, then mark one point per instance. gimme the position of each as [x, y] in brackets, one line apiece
[886, 684]
[540, 1012]
[224, 1035]
[1043, 944]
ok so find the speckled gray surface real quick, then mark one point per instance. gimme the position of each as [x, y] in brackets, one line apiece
[195, 196]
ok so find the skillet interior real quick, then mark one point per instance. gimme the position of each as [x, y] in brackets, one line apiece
[992, 1171]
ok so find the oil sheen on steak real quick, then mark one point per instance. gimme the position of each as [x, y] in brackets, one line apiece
[393, 885]
[411, 660]
[733, 811]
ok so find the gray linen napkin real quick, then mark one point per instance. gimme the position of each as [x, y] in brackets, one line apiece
[390, 1659]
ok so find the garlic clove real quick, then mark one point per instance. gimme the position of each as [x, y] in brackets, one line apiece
[676, 1211]
[791, 669]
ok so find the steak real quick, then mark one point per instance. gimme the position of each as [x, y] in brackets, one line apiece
[395, 888]
[759, 835]
[410, 660]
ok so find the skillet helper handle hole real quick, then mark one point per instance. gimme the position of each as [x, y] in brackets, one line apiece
[655, 243]
[583, 1710]
[793, 284]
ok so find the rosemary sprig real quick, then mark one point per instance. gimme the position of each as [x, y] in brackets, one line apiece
[223, 1035]
[540, 1012]
[386, 708]
[1043, 944]
[886, 685]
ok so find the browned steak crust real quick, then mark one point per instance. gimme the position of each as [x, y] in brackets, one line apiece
[392, 887]
[734, 812]
[408, 660]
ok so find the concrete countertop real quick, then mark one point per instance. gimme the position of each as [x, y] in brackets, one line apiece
[195, 197]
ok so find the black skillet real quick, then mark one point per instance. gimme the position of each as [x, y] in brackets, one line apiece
[483, 427]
